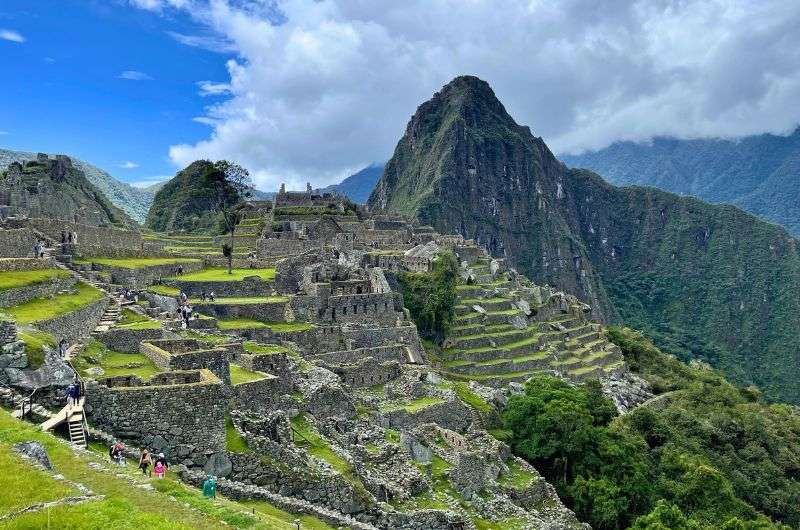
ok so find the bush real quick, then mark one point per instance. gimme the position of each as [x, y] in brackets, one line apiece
[431, 297]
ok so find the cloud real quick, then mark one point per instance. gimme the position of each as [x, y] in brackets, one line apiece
[206, 42]
[158, 5]
[210, 88]
[128, 165]
[11, 35]
[48, 60]
[324, 87]
[134, 75]
[149, 182]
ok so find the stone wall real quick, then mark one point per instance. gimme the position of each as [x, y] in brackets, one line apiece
[76, 324]
[368, 372]
[17, 243]
[271, 247]
[20, 295]
[128, 340]
[185, 420]
[26, 264]
[452, 415]
[145, 276]
[382, 307]
[187, 354]
[264, 312]
[258, 396]
[391, 352]
[103, 238]
[249, 286]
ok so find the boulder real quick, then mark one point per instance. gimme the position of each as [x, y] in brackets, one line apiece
[494, 267]
[518, 321]
[479, 309]
[418, 451]
[218, 465]
[523, 306]
[36, 452]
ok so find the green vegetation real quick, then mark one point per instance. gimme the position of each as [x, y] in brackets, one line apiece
[471, 398]
[281, 519]
[171, 505]
[254, 347]
[14, 279]
[46, 308]
[133, 320]
[431, 297]
[516, 477]
[241, 375]
[234, 441]
[113, 363]
[135, 263]
[35, 341]
[707, 455]
[414, 405]
[246, 323]
[221, 275]
[164, 290]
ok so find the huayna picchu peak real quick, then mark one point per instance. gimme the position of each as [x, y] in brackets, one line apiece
[709, 282]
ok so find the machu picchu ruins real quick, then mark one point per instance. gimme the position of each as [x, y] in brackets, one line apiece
[299, 378]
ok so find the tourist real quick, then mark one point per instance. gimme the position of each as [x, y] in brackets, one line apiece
[203, 296]
[210, 487]
[118, 453]
[74, 238]
[69, 237]
[62, 348]
[184, 297]
[37, 249]
[180, 270]
[145, 461]
[71, 395]
[211, 295]
[161, 465]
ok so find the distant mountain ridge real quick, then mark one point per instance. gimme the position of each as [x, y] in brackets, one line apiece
[760, 174]
[133, 201]
[359, 185]
[705, 281]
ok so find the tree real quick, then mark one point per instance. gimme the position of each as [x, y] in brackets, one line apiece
[431, 296]
[232, 186]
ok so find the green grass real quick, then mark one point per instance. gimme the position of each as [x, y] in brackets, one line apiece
[25, 485]
[241, 375]
[114, 363]
[46, 308]
[164, 290]
[246, 323]
[170, 506]
[234, 441]
[135, 263]
[281, 519]
[213, 339]
[243, 300]
[472, 399]
[221, 275]
[133, 320]
[35, 341]
[13, 279]
[254, 347]
[517, 477]
[414, 405]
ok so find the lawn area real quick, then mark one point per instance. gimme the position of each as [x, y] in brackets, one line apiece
[246, 323]
[221, 275]
[171, 505]
[415, 404]
[234, 441]
[133, 320]
[240, 375]
[114, 363]
[472, 399]
[254, 347]
[242, 300]
[164, 290]
[35, 341]
[517, 477]
[135, 263]
[12, 279]
[46, 308]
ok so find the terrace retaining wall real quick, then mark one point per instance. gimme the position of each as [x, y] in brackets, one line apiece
[76, 324]
[20, 295]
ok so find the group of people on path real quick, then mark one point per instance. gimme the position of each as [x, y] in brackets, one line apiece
[69, 238]
[73, 393]
[185, 311]
[38, 249]
[159, 467]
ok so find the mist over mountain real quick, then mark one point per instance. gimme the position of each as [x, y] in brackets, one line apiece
[760, 174]
[710, 282]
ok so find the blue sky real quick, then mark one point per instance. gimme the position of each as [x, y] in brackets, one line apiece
[314, 90]
[61, 89]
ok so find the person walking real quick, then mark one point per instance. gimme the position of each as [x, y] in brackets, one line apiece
[119, 454]
[211, 295]
[71, 395]
[161, 466]
[62, 348]
[210, 487]
[145, 461]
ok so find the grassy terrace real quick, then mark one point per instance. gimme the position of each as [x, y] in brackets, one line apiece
[14, 279]
[35, 341]
[221, 275]
[169, 505]
[254, 347]
[163, 290]
[246, 323]
[414, 405]
[133, 320]
[46, 308]
[241, 300]
[240, 375]
[113, 363]
[517, 477]
[135, 263]
[234, 441]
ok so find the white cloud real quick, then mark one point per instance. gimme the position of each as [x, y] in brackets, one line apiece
[49, 60]
[158, 5]
[331, 88]
[128, 165]
[149, 182]
[134, 75]
[11, 35]
[206, 42]
[210, 88]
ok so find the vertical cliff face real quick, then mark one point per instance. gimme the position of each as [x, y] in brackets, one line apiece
[464, 166]
[705, 281]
